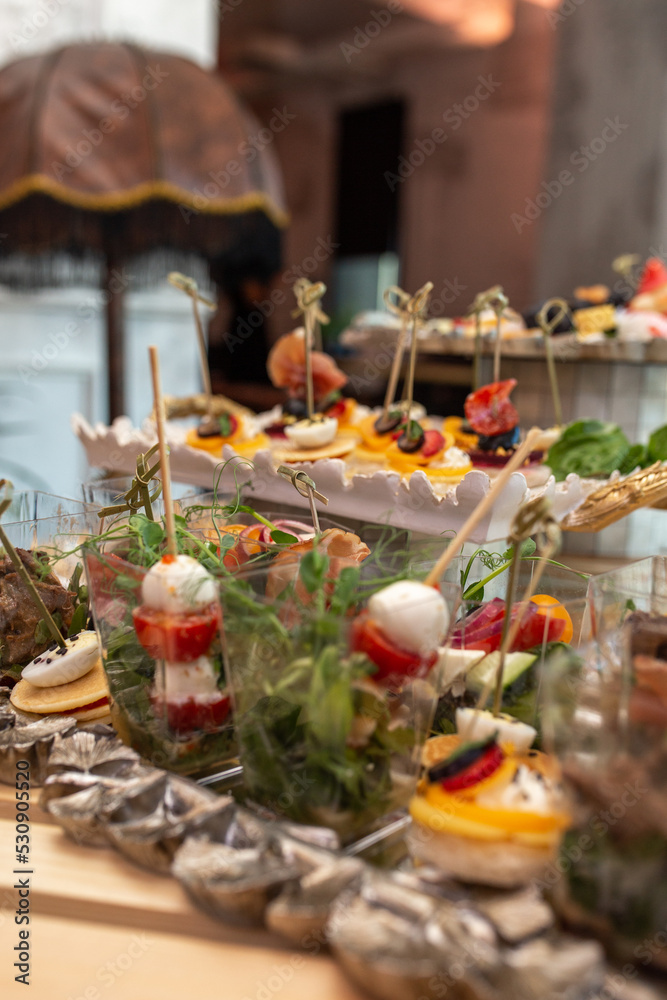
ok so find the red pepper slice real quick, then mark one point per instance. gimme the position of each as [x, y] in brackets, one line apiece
[486, 765]
[489, 410]
[178, 638]
[391, 661]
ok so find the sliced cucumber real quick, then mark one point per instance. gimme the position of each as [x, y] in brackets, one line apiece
[483, 674]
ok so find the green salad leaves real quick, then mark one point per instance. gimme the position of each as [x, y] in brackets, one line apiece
[596, 448]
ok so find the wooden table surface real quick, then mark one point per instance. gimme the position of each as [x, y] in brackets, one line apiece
[103, 929]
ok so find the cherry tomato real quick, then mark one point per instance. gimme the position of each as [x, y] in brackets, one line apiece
[187, 716]
[241, 551]
[552, 608]
[485, 765]
[533, 631]
[489, 410]
[179, 638]
[391, 661]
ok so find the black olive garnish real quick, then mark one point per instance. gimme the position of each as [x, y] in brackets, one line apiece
[410, 444]
[208, 428]
[384, 425]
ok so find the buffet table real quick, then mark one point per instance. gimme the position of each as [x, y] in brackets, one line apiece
[101, 928]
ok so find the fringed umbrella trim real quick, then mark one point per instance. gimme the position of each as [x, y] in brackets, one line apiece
[116, 201]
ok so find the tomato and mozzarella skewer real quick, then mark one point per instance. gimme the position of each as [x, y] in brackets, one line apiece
[402, 629]
[176, 624]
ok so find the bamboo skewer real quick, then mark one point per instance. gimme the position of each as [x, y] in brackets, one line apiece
[400, 309]
[498, 303]
[189, 286]
[483, 506]
[158, 403]
[547, 327]
[538, 518]
[415, 307]
[308, 297]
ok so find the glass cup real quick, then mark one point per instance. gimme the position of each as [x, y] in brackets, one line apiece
[606, 719]
[169, 698]
[57, 567]
[324, 736]
[555, 624]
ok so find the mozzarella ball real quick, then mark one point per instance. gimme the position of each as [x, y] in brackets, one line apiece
[185, 680]
[412, 615]
[476, 724]
[177, 585]
[312, 433]
[60, 665]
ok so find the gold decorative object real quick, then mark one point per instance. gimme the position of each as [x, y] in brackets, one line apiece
[615, 500]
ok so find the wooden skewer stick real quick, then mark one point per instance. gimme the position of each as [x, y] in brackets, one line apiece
[158, 403]
[189, 286]
[478, 514]
[511, 629]
[416, 306]
[396, 300]
[547, 326]
[499, 303]
[308, 297]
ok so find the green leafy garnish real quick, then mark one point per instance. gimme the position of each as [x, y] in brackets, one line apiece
[283, 537]
[225, 424]
[313, 569]
[637, 456]
[657, 446]
[79, 619]
[591, 448]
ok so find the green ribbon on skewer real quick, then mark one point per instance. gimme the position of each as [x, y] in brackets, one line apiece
[139, 494]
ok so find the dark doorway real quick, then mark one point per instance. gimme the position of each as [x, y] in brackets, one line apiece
[371, 140]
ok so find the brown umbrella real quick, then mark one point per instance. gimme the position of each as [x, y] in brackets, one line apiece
[114, 155]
